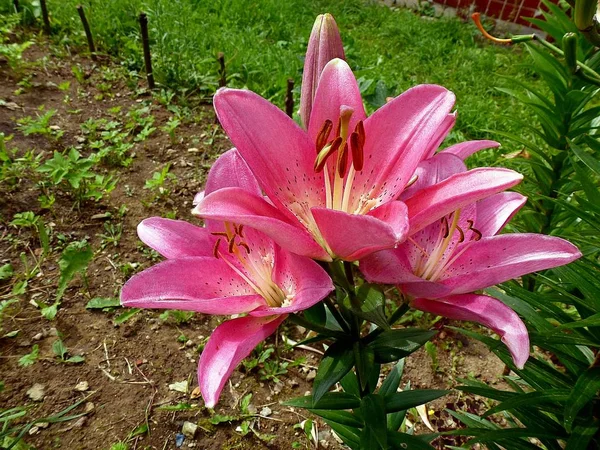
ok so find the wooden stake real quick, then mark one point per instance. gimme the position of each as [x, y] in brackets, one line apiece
[289, 98]
[222, 73]
[88, 32]
[146, 47]
[45, 16]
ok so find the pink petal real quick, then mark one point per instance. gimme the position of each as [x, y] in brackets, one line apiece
[306, 281]
[240, 207]
[324, 45]
[495, 211]
[500, 258]
[466, 149]
[440, 135]
[432, 171]
[487, 311]
[231, 342]
[230, 170]
[206, 285]
[434, 202]
[175, 238]
[397, 137]
[352, 236]
[337, 88]
[276, 149]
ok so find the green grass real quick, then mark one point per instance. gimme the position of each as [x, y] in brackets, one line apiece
[264, 42]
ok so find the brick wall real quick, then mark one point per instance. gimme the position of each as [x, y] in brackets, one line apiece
[508, 10]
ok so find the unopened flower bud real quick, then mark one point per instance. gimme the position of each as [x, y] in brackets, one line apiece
[324, 45]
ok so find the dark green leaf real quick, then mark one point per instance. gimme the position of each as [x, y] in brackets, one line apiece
[316, 314]
[350, 435]
[392, 381]
[337, 361]
[124, 317]
[396, 344]
[586, 388]
[400, 401]
[331, 400]
[373, 411]
[350, 383]
[75, 258]
[339, 416]
[372, 306]
[530, 399]
[364, 360]
[403, 441]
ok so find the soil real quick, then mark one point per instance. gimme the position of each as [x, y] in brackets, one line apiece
[128, 367]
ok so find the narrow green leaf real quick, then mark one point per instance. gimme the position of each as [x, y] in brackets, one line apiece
[124, 317]
[101, 303]
[372, 306]
[339, 416]
[350, 435]
[330, 400]
[586, 388]
[75, 258]
[337, 361]
[530, 399]
[392, 381]
[350, 383]
[581, 437]
[364, 360]
[396, 344]
[373, 411]
[403, 441]
[400, 401]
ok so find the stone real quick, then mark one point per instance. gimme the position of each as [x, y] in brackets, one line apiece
[189, 429]
[36, 392]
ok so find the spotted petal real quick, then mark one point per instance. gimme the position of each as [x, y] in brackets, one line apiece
[175, 238]
[206, 285]
[487, 311]
[231, 342]
[494, 212]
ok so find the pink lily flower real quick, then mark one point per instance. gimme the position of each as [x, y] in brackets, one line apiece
[455, 251]
[331, 191]
[324, 44]
[225, 268]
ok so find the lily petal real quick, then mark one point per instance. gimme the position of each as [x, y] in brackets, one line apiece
[239, 206]
[495, 211]
[230, 170]
[307, 282]
[487, 311]
[206, 285]
[276, 149]
[352, 236]
[500, 258]
[434, 202]
[440, 135]
[397, 136]
[231, 342]
[432, 171]
[465, 149]
[337, 88]
[175, 238]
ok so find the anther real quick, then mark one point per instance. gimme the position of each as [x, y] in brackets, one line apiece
[360, 130]
[478, 234]
[243, 244]
[326, 153]
[216, 249]
[462, 234]
[323, 135]
[446, 227]
[220, 233]
[357, 151]
[240, 231]
[231, 244]
[343, 160]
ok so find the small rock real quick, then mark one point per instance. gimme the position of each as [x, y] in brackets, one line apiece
[277, 388]
[36, 392]
[89, 407]
[82, 386]
[43, 425]
[54, 127]
[53, 332]
[189, 429]
[179, 438]
[311, 375]
[292, 382]
[193, 150]
[38, 337]
[34, 430]
[266, 411]
[252, 409]
[195, 393]
[189, 343]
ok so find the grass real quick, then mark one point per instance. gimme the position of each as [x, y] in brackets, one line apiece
[264, 42]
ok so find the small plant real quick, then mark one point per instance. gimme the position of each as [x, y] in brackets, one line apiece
[30, 358]
[29, 219]
[62, 353]
[170, 128]
[112, 234]
[156, 183]
[40, 125]
[180, 317]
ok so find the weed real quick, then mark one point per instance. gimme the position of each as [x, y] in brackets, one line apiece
[29, 219]
[170, 128]
[156, 183]
[30, 358]
[40, 125]
[112, 234]
[62, 353]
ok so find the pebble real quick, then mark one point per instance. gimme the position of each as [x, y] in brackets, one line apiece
[266, 411]
[82, 386]
[89, 407]
[36, 392]
[311, 375]
[38, 337]
[189, 429]
[179, 438]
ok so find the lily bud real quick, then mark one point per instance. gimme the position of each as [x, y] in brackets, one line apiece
[324, 45]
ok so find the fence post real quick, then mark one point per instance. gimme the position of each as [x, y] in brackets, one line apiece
[146, 47]
[88, 32]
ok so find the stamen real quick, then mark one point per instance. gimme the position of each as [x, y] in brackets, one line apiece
[343, 160]
[357, 152]
[446, 227]
[326, 153]
[240, 231]
[243, 244]
[216, 249]
[478, 234]
[462, 234]
[412, 181]
[360, 130]
[323, 135]
[231, 244]
[220, 233]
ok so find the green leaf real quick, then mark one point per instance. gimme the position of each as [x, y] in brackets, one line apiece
[316, 314]
[49, 312]
[330, 400]
[364, 360]
[102, 302]
[586, 158]
[403, 441]
[349, 435]
[75, 258]
[373, 412]
[350, 383]
[75, 359]
[218, 418]
[59, 349]
[30, 358]
[124, 317]
[400, 401]
[396, 344]
[585, 390]
[6, 272]
[372, 306]
[581, 437]
[392, 381]
[337, 361]
[530, 399]
[339, 416]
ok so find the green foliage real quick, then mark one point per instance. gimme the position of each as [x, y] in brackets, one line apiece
[62, 353]
[30, 358]
[40, 125]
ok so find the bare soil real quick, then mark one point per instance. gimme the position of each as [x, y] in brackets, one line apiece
[129, 367]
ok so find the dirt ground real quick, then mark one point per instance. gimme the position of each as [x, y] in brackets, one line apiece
[123, 383]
